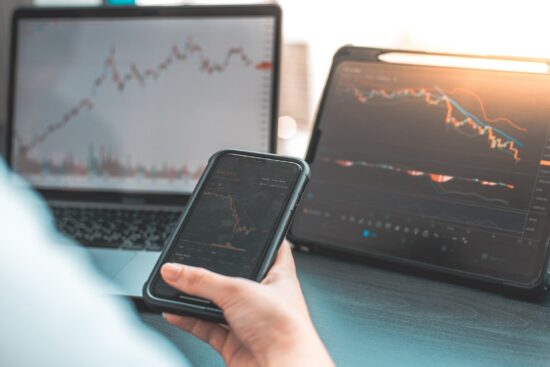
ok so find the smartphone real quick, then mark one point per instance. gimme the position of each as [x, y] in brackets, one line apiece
[233, 224]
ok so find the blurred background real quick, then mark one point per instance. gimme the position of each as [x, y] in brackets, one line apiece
[314, 30]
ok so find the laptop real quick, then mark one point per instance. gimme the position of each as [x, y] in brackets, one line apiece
[114, 112]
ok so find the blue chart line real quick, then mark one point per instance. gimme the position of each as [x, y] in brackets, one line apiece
[496, 138]
[476, 119]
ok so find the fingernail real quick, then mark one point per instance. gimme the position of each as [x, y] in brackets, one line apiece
[171, 272]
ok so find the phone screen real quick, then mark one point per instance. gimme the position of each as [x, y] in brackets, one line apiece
[233, 219]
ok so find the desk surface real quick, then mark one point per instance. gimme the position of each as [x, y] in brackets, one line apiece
[376, 317]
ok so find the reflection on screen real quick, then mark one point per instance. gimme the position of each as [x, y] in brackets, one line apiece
[445, 166]
[235, 216]
[138, 104]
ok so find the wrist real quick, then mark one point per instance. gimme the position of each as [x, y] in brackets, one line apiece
[299, 347]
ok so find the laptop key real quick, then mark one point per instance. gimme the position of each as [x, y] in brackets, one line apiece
[154, 247]
[128, 229]
[132, 245]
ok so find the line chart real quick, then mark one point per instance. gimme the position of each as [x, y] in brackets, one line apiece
[447, 166]
[484, 112]
[440, 189]
[456, 116]
[120, 79]
[237, 227]
[438, 178]
[226, 246]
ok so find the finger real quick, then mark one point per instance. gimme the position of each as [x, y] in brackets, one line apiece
[213, 334]
[285, 260]
[283, 267]
[202, 283]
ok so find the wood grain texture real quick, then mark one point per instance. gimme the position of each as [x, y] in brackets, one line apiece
[370, 316]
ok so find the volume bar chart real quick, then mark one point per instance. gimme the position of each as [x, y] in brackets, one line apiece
[434, 177]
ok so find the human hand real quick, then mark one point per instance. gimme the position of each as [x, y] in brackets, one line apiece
[269, 323]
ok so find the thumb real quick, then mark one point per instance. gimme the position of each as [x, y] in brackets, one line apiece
[202, 283]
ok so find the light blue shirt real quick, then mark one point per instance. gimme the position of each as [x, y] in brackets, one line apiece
[52, 312]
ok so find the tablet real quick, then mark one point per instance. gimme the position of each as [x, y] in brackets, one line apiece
[444, 167]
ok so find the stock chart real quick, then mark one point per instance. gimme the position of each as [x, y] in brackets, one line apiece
[421, 163]
[138, 105]
[234, 216]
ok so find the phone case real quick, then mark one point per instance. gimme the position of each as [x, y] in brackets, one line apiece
[212, 313]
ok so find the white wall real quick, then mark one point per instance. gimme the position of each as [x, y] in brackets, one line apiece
[496, 27]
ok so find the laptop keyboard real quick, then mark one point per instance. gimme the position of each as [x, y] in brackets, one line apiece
[131, 228]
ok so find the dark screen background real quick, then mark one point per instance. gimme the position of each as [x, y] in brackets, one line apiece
[233, 220]
[448, 167]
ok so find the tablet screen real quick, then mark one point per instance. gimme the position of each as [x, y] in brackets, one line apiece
[442, 166]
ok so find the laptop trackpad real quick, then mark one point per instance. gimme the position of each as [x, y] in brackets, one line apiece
[110, 262]
[131, 279]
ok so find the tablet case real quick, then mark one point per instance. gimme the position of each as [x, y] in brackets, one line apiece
[353, 53]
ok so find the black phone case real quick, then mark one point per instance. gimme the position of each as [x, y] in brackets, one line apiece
[212, 313]
[366, 54]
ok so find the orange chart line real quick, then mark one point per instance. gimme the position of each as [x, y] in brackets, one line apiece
[504, 143]
[237, 227]
[483, 111]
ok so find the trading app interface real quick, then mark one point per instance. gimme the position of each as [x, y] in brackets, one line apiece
[233, 220]
[139, 104]
[444, 166]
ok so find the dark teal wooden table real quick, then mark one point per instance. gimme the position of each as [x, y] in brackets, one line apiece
[371, 316]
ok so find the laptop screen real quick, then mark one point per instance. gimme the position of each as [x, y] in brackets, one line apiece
[138, 104]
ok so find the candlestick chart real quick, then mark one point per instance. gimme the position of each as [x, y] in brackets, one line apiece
[457, 150]
[236, 226]
[456, 116]
[127, 110]
[425, 142]
[233, 216]
[442, 166]
[121, 79]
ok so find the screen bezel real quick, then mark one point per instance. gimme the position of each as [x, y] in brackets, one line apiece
[135, 196]
[372, 56]
[290, 203]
